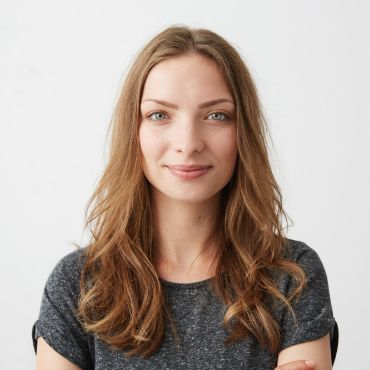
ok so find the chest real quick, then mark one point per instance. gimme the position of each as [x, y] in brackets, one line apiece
[198, 316]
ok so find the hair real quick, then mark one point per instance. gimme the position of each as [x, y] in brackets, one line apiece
[122, 299]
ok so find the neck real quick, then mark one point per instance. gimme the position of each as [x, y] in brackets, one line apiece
[184, 244]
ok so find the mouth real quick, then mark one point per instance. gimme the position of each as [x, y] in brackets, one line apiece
[188, 168]
[189, 172]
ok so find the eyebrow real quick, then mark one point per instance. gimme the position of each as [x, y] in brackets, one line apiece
[206, 104]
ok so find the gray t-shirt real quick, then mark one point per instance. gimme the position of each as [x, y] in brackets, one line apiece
[198, 315]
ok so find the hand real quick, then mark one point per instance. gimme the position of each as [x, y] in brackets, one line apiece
[297, 365]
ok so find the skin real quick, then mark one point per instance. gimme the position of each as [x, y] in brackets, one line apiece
[48, 359]
[317, 350]
[297, 365]
[184, 210]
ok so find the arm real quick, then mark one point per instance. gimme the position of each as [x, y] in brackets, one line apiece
[316, 350]
[59, 339]
[48, 359]
[308, 337]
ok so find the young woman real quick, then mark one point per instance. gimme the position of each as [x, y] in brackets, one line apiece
[188, 266]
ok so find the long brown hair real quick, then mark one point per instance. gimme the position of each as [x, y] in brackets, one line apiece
[122, 299]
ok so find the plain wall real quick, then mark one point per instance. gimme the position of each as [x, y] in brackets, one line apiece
[61, 68]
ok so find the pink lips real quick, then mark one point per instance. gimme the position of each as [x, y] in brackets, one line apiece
[188, 172]
[189, 167]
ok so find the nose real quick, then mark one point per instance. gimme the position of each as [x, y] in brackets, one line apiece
[188, 136]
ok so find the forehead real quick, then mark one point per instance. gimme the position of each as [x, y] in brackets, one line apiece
[187, 77]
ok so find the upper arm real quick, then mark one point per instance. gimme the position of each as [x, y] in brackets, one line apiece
[48, 359]
[58, 324]
[316, 350]
[312, 330]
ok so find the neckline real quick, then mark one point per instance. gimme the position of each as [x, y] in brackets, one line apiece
[195, 284]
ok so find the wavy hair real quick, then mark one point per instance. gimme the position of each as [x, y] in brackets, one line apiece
[122, 299]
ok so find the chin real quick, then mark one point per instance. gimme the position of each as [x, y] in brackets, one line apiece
[192, 198]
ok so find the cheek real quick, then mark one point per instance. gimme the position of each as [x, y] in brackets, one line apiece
[149, 144]
[226, 145]
[144, 139]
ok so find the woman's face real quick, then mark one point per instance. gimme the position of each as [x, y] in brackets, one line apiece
[183, 130]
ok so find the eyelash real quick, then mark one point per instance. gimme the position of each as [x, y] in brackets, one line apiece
[227, 117]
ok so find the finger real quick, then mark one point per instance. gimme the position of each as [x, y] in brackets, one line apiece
[296, 365]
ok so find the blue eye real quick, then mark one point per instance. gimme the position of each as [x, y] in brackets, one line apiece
[159, 112]
[224, 117]
[223, 114]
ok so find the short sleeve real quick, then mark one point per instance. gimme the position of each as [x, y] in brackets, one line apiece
[57, 323]
[313, 308]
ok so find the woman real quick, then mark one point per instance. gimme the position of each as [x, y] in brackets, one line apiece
[188, 266]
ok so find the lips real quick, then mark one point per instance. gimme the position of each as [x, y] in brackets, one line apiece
[188, 172]
[192, 167]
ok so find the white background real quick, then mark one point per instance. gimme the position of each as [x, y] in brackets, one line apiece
[61, 68]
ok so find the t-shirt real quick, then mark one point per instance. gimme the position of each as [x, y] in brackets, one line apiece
[198, 315]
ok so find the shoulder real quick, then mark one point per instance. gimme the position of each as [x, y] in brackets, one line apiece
[71, 261]
[66, 272]
[308, 259]
[304, 255]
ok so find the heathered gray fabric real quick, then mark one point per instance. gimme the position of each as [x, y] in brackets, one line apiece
[198, 316]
